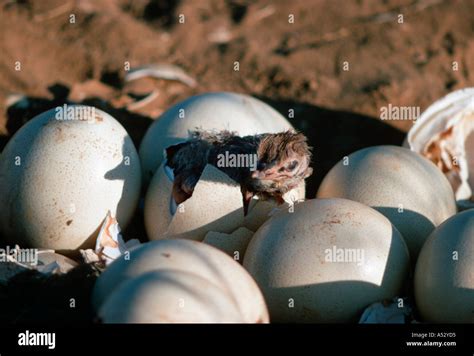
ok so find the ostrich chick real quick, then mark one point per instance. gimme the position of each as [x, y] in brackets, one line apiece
[276, 163]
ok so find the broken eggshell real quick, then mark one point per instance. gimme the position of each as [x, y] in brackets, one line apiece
[234, 244]
[210, 111]
[444, 133]
[59, 175]
[46, 262]
[216, 205]
[188, 256]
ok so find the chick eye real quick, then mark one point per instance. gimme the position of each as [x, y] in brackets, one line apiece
[292, 165]
[261, 166]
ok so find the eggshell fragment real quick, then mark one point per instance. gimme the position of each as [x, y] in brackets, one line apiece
[261, 210]
[444, 133]
[296, 260]
[216, 205]
[169, 296]
[444, 279]
[404, 186]
[17, 260]
[189, 256]
[209, 111]
[233, 244]
[58, 179]
[54, 262]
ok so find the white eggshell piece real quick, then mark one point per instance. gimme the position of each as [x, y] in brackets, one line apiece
[189, 256]
[444, 275]
[233, 244]
[444, 133]
[261, 210]
[216, 205]
[59, 178]
[62, 263]
[209, 111]
[169, 296]
[326, 261]
[45, 261]
[404, 186]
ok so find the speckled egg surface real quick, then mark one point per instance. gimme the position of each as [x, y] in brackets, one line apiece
[326, 261]
[404, 186]
[59, 177]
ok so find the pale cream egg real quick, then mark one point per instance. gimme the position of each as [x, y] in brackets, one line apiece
[61, 173]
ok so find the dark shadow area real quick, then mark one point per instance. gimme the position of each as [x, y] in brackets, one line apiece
[413, 226]
[238, 10]
[3, 141]
[28, 107]
[157, 12]
[334, 134]
[33, 298]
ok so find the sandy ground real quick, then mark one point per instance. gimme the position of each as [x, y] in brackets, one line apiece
[337, 64]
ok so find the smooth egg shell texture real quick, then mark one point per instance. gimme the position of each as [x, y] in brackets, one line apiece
[216, 205]
[71, 173]
[444, 275]
[210, 111]
[407, 188]
[169, 296]
[189, 256]
[291, 258]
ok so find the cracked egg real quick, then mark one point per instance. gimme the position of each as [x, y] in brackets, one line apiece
[210, 111]
[216, 205]
[444, 134]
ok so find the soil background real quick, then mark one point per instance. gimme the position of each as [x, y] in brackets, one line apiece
[336, 65]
